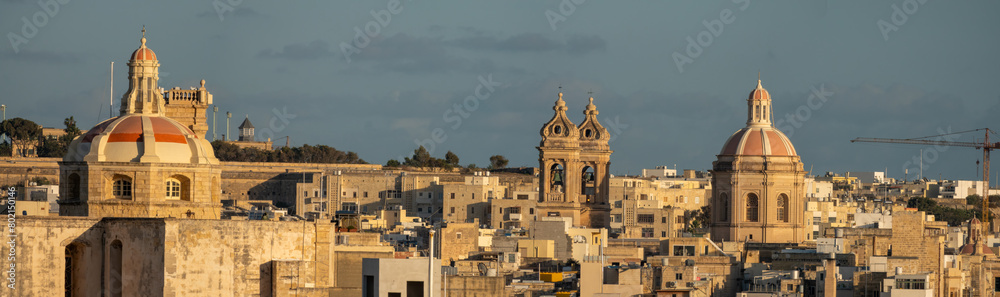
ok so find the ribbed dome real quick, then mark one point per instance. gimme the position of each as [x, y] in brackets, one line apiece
[759, 93]
[143, 53]
[758, 141]
[141, 138]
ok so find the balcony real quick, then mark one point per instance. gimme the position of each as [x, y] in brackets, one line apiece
[514, 216]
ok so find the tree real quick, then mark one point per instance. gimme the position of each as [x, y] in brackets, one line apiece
[58, 147]
[421, 158]
[451, 158]
[498, 162]
[973, 200]
[392, 163]
[22, 133]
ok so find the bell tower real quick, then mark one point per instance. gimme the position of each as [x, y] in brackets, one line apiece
[574, 164]
[595, 165]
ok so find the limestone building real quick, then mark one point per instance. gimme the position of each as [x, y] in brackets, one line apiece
[758, 182]
[575, 164]
[141, 163]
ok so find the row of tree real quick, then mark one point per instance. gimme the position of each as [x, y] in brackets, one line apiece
[954, 216]
[225, 151]
[25, 134]
[422, 158]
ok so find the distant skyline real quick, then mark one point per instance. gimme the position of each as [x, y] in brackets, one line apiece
[670, 79]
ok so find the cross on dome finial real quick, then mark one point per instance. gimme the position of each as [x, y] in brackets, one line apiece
[143, 40]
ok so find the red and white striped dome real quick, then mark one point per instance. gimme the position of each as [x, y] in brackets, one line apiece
[143, 54]
[141, 138]
[758, 141]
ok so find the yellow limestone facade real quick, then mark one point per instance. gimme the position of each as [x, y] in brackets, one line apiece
[758, 182]
[574, 163]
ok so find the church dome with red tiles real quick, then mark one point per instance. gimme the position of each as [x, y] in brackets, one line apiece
[759, 137]
[142, 132]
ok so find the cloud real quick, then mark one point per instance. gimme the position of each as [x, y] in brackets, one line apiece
[531, 42]
[300, 51]
[240, 11]
[413, 55]
[41, 56]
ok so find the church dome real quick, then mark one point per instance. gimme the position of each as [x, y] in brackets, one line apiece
[143, 54]
[754, 141]
[759, 137]
[141, 138]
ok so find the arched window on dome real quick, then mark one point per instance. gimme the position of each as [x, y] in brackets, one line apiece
[724, 200]
[783, 208]
[178, 188]
[122, 187]
[752, 204]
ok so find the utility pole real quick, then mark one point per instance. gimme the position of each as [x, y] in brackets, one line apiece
[430, 265]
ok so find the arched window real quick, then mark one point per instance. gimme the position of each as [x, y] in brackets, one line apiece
[783, 208]
[173, 189]
[752, 204]
[178, 188]
[557, 179]
[122, 187]
[557, 129]
[724, 200]
[588, 184]
[116, 268]
[74, 186]
[588, 133]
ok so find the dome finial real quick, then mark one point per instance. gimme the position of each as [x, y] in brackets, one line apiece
[758, 80]
[143, 40]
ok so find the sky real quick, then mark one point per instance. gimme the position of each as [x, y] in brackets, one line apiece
[670, 78]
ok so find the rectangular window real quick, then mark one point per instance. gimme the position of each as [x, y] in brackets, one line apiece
[680, 219]
[355, 194]
[663, 220]
[683, 250]
[366, 194]
[472, 210]
[522, 197]
[473, 195]
[679, 276]
[644, 219]
[647, 232]
[452, 195]
[514, 210]
[663, 233]
[531, 211]
[453, 210]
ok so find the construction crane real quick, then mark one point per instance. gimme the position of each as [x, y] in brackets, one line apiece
[985, 145]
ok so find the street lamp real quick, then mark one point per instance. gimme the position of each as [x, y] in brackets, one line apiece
[215, 109]
[229, 115]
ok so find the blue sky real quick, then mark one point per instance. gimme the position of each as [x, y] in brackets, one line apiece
[896, 69]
